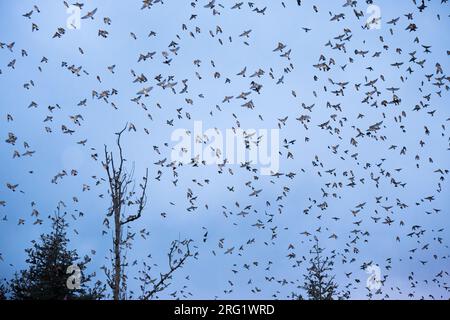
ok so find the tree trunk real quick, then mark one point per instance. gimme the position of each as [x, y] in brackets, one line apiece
[117, 254]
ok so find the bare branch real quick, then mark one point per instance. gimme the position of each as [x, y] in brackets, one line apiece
[142, 201]
[164, 278]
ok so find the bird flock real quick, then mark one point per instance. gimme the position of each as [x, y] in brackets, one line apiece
[357, 89]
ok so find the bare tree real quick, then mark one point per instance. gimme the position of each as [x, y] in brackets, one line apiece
[123, 196]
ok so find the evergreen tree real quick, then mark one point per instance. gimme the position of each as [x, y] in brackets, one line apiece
[48, 275]
[3, 290]
[319, 283]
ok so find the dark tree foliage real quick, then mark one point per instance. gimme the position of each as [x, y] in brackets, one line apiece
[3, 290]
[48, 276]
[319, 283]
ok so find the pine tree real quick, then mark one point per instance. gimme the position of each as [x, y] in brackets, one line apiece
[3, 290]
[48, 275]
[319, 284]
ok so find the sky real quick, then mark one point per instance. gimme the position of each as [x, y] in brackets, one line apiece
[215, 274]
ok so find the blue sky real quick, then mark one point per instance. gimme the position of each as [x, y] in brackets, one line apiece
[209, 274]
